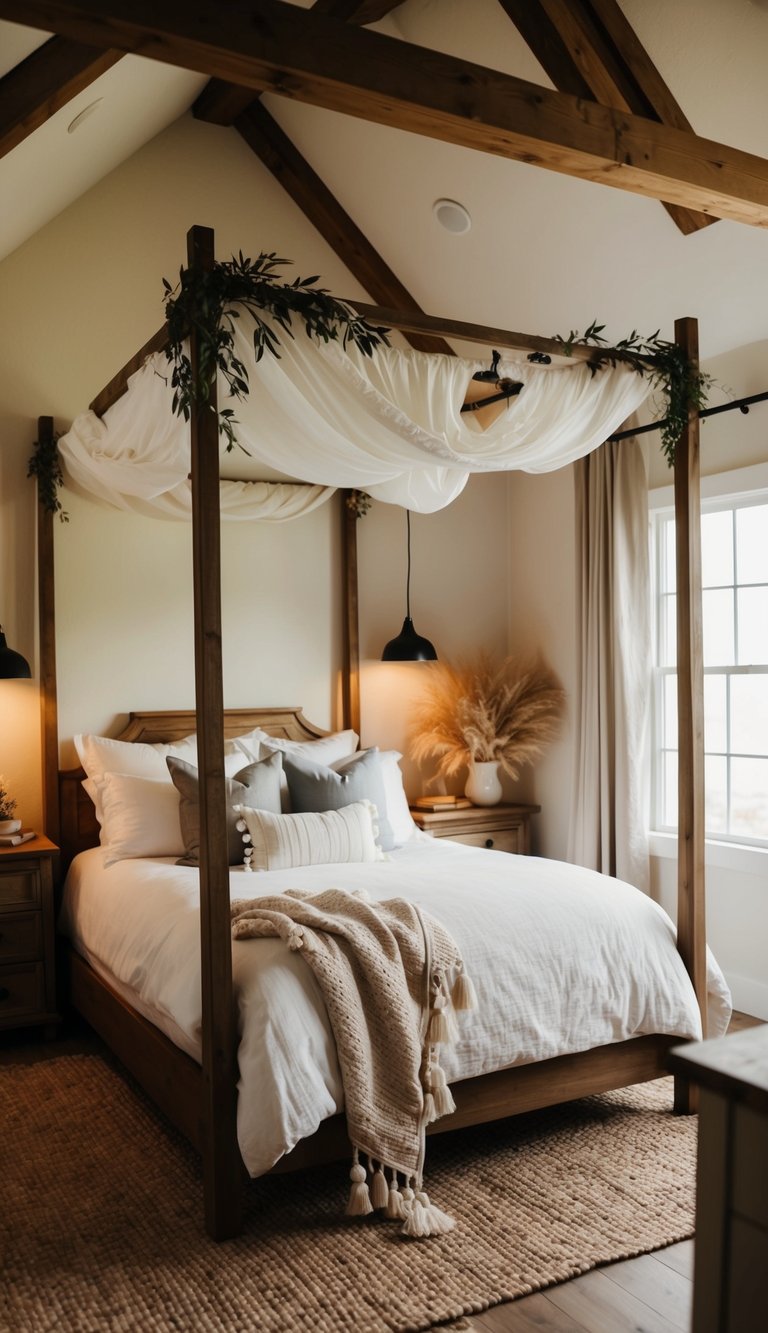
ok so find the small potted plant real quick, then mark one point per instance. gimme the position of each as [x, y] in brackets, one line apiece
[483, 714]
[7, 807]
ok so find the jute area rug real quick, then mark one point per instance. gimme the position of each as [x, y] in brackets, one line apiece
[101, 1216]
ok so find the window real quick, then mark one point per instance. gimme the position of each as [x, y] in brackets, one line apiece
[734, 540]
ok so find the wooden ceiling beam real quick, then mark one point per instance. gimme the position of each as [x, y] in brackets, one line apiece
[43, 83]
[588, 49]
[269, 45]
[273, 147]
[221, 103]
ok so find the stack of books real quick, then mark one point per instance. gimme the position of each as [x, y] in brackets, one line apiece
[435, 803]
[14, 839]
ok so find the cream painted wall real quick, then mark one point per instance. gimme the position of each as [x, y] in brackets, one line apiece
[541, 542]
[459, 600]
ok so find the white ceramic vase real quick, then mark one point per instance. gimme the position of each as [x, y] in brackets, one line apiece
[10, 825]
[483, 784]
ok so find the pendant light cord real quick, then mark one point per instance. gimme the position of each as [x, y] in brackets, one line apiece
[408, 575]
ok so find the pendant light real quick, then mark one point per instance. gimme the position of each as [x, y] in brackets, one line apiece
[408, 646]
[12, 665]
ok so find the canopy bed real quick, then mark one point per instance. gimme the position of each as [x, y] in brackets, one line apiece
[197, 1088]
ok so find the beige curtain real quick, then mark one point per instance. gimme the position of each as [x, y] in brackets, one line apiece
[609, 820]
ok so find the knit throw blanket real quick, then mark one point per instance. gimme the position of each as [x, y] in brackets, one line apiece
[391, 977]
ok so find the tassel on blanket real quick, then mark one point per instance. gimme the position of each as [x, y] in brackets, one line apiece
[429, 1113]
[379, 1189]
[425, 1219]
[439, 1030]
[463, 994]
[394, 1209]
[441, 1093]
[359, 1203]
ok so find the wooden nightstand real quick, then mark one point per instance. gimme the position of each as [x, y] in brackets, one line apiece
[27, 960]
[506, 828]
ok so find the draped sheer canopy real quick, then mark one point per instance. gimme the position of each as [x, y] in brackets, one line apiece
[329, 417]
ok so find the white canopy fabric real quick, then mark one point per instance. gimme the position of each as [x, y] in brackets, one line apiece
[390, 424]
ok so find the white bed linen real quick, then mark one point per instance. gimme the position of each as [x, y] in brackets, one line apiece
[562, 959]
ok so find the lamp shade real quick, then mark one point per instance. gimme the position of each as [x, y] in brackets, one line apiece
[408, 646]
[12, 665]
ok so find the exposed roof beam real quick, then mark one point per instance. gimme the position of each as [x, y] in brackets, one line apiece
[269, 45]
[263, 134]
[221, 103]
[588, 49]
[43, 83]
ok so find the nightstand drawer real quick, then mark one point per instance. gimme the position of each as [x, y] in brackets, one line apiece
[21, 936]
[499, 840]
[22, 990]
[19, 884]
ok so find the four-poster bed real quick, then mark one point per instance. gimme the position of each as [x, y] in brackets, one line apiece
[202, 1098]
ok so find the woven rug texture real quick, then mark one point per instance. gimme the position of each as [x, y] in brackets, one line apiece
[101, 1218]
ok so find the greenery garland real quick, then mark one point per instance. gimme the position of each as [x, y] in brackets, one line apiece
[683, 387]
[45, 465]
[208, 301]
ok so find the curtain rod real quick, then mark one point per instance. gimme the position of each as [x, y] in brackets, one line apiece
[743, 405]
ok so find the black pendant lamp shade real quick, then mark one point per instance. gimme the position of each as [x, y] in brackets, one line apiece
[408, 646]
[12, 665]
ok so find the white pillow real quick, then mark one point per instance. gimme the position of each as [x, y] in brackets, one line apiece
[322, 751]
[333, 837]
[100, 755]
[259, 744]
[140, 817]
[398, 812]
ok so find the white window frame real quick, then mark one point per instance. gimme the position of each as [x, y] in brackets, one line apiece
[742, 486]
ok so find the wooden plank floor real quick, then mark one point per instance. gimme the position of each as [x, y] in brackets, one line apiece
[650, 1294]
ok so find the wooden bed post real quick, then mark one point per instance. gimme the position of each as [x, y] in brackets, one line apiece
[350, 695]
[691, 932]
[46, 621]
[222, 1167]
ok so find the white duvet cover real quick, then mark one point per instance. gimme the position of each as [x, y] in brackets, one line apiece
[562, 959]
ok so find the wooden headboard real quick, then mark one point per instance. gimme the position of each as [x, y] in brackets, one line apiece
[79, 826]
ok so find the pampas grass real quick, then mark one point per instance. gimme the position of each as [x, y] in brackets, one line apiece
[481, 710]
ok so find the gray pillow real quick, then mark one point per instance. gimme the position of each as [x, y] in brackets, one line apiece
[257, 786]
[315, 788]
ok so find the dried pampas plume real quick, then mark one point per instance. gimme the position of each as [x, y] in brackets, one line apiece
[481, 710]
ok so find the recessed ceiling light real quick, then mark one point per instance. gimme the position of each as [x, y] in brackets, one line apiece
[454, 217]
[83, 115]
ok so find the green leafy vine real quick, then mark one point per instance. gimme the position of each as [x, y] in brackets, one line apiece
[209, 302]
[682, 386]
[45, 466]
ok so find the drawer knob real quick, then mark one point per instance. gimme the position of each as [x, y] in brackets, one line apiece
[4, 993]
[489, 842]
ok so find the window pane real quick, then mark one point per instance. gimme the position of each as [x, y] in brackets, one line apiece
[669, 799]
[715, 718]
[749, 714]
[718, 627]
[717, 548]
[749, 797]
[753, 626]
[668, 561]
[669, 725]
[668, 644]
[752, 539]
[716, 793]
